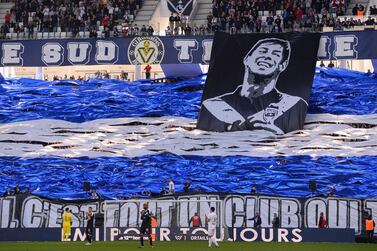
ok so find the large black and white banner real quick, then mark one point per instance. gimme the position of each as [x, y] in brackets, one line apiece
[259, 81]
[29, 211]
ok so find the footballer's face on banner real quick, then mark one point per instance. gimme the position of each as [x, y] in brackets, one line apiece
[266, 59]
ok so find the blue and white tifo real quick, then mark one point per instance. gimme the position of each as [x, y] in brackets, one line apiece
[129, 137]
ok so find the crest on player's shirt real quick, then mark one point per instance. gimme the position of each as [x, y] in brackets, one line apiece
[183, 7]
[270, 113]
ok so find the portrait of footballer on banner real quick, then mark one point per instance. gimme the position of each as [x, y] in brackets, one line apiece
[257, 103]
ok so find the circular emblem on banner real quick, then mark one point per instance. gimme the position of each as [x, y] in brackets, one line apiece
[146, 50]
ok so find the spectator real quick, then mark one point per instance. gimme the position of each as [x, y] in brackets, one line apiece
[94, 195]
[355, 9]
[27, 190]
[135, 30]
[171, 20]
[106, 75]
[209, 20]
[177, 22]
[276, 221]
[8, 192]
[195, 221]
[338, 25]
[187, 30]
[369, 21]
[322, 223]
[105, 21]
[171, 186]
[186, 188]
[253, 191]
[163, 191]
[331, 192]
[373, 10]
[16, 189]
[298, 14]
[143, 30]
[168, 31]
[278, 24]
[125, 31]
[360, 10]
[322, 64]
[124, 75]
[150, 30]
[93, 33]
[147, 70]
[7, 18]
[331, 64]
[270, 22]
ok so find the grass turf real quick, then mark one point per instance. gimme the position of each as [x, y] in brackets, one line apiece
[183, 246]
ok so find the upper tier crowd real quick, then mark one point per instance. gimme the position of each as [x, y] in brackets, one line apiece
[105, 18]
[307, 15]
[69, 15]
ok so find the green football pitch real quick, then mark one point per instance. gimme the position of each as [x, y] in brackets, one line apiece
[183, 246]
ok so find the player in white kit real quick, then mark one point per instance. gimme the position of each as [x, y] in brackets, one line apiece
[211, 220]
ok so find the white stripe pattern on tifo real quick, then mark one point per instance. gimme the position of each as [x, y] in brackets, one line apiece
[323, 135]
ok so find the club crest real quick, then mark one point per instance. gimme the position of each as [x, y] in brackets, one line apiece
[146, 50]
[183, 7]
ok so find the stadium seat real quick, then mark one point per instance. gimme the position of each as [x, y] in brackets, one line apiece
[279, 12]
[81, 34]
[51, 35]
[266, 13]
[101, 28]
[39, 35]
[14, 35]
[99, 34]
[86, 34]
[11, 29]
[8, 36]
[260, 13]
[59, 29]
[63, 35]
[57, 34]
[69, 34]
[45, 34]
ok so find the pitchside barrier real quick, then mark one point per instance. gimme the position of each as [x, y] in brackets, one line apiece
[32, 218]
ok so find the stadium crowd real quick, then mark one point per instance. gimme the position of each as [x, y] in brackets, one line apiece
[70, 16]
[105, 18]
[238, 16]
